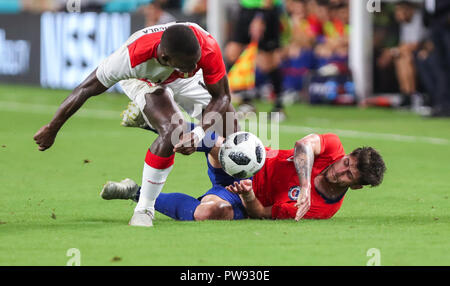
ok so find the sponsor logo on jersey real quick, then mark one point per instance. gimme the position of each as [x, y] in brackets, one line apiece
[294, 192]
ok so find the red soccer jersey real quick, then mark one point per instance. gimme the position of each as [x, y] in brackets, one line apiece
[137, 59]
[277, 183]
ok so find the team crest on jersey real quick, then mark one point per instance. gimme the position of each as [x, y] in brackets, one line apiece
[294, 192]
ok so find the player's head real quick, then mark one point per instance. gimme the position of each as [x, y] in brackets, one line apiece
[363, 166]
[404, 11]
[180, 48]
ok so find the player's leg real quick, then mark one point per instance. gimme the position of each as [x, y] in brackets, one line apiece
[178, 206]
[213, 207]
[220, 204]
[163, 114]
[268, 59]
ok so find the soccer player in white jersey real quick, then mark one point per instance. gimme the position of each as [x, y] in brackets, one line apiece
[158, 67]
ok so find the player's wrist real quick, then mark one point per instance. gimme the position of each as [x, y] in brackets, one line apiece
[199, 132]
[249, 196]
[53, 128]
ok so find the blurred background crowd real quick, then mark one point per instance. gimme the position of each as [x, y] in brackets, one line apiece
[301, 48]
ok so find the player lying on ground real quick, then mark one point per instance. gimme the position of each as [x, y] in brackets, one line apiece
[308, 181]
[158, 67]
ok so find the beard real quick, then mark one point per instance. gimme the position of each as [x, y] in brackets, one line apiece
[330, 178]
[327, 176]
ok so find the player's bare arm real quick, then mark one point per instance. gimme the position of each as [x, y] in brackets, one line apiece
[304, 152]
[91, 86]
[219, 104]
[251, 203]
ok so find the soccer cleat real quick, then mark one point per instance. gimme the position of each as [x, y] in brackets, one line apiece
[132, 117]
[123, 190]
[142, 218]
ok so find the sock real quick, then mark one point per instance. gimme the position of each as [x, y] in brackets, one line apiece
[156, 170]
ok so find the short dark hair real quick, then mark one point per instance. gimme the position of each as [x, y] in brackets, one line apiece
[180, 39]
[370, 165]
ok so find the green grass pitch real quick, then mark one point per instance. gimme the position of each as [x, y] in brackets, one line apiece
[50, 200]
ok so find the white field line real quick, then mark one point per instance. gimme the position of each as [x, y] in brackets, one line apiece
[114, 115]
[367, 135]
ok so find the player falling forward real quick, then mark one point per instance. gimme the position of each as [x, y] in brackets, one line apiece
[308, 181]
[158, 67]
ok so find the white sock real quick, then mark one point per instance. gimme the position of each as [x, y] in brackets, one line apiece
[156, 170]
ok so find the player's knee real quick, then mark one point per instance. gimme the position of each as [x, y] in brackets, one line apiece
[214, 211]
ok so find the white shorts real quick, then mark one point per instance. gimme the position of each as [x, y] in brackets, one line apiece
[190, 93]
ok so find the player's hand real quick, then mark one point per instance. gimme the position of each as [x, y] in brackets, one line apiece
[243, 188]
[187, 144]
[303, 203]
[45, 137]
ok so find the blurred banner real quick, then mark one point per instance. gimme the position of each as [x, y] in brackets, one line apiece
[73, 44]
[19, 48]
[59, 50]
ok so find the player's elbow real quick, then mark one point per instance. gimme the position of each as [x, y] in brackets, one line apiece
[307, 143]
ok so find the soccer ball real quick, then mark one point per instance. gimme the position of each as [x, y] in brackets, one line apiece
[242, 155]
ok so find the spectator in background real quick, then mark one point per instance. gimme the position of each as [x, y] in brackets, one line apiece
[331, 50]
[197, 9]
[297, 53]
[438, 15]
[259, 20]
[38, 6]
[316, 15]
[412, 35]
[155, 14]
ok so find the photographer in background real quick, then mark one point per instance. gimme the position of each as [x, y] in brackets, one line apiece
[438, 18]
[412, 34]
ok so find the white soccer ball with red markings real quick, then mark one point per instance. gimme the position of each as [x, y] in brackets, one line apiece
[242, 155]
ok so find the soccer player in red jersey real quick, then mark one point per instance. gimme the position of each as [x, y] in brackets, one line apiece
[158, 67]
[309, 181]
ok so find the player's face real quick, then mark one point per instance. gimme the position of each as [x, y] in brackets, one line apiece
[184, 64]
[343, 172]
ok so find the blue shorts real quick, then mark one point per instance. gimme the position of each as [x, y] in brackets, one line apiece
[220, 180]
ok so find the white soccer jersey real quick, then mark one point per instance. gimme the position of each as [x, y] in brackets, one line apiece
[137, 59]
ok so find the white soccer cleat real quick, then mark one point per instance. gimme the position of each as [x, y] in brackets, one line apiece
[142, 218]
[123, 190]
[132, 116]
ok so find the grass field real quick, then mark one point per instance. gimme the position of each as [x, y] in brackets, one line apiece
[50, 200]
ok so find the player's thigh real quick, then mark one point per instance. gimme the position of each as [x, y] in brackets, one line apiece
[161, 111]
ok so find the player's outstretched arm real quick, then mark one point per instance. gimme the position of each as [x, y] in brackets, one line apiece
[252, 205]
[45, 137]
[305, 150]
